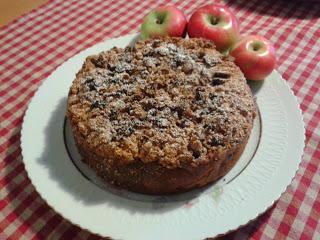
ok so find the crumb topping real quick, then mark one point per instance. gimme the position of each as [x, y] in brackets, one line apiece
[169, 100]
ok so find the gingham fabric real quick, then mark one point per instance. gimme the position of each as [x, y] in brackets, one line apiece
[37, 43]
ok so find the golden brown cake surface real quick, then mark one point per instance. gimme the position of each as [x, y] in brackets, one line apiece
[164, 116]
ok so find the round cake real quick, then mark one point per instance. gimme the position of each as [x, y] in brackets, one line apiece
[164, 116]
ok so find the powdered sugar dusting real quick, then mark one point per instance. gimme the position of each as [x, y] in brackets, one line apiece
[181, 96]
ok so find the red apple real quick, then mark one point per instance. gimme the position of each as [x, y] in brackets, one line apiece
[214, 22]
[255, 56]
[164, 21]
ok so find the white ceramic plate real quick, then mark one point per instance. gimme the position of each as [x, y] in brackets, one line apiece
[267, 166]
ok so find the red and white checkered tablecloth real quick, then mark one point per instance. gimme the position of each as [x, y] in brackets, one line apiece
[34, 45]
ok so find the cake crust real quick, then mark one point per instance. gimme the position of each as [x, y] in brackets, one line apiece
[165, 116]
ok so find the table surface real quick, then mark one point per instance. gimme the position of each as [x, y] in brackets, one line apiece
[12, 9]
[34, 45]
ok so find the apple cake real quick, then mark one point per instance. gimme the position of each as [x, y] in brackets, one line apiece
[164, 116]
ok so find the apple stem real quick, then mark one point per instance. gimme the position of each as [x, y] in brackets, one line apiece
[159, 21]
[213, 20]
[160, 18]
[256, 47]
